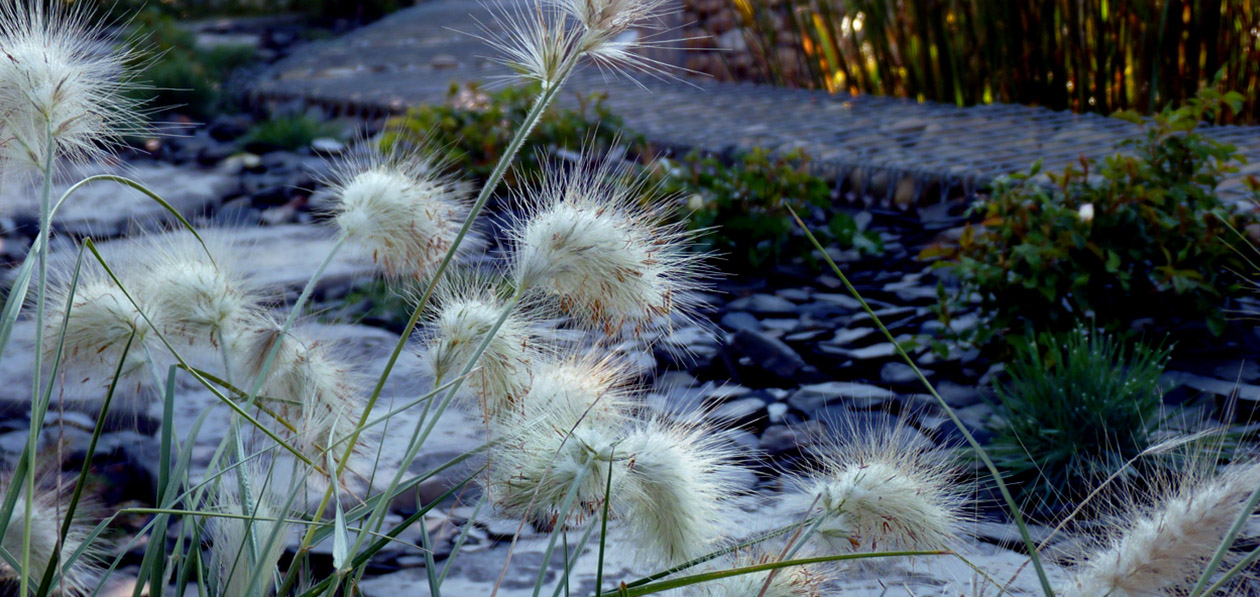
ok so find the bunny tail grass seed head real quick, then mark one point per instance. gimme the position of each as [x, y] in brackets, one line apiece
[400, 210]
[47, 516]
[677, 481]
[793, 581]
[101, 319]
[566, 389]
[596, 240]
[314, 392]
[201, 299]
[465, 312]
[881, 489]
[564, 429]
[1162, 548]
[239, 548]
[60, 81]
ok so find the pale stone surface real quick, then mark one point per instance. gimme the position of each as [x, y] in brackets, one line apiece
[106, 209]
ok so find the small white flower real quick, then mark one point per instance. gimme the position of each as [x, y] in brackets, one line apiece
[1086, 212]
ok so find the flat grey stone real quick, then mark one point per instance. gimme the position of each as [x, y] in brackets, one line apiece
[763, 304]
[815, 396]
[105, 209]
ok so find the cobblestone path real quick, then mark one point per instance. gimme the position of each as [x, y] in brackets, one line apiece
[902, 152]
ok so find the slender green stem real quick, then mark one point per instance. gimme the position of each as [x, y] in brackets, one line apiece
[984, 456]
[37, 405]
[603, 530]
[459, 541]
[566, 507]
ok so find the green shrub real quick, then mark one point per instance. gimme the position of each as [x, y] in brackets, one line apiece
[1140, 234]
[178, 74]
[473, 128]
[291, 132]
[746, 206]
[1075, 408]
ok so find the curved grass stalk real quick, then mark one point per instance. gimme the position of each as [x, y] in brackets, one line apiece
[984, 456]
[695, 579]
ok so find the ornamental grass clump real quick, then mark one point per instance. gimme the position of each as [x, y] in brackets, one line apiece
[572, 447]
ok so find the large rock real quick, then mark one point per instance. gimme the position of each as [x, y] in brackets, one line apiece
[107, 209]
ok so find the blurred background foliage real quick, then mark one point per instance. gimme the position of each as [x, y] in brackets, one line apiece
[1084, 55]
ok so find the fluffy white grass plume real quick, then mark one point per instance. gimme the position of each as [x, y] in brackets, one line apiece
[59, 82]
[201, 299]
[881, 490]
[678, 480]
[596, 239]
[47, 516]
[792, 581]
[399, 209]
[310, 389]
[1162, 548]
[101, 319]
[545, 40]
[567, 389]
[465, 312]
[564, 429]
[239, 548]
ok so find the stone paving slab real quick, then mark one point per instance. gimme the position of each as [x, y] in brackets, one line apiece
[904, 152]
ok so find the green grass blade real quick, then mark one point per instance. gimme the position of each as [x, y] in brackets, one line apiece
[676, 583]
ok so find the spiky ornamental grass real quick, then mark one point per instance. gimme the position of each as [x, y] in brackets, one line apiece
[239, 548]
[679, 478]
[563, 430]
[101, 319]
[310, 389]
[464, 312]
[880, 490]
[399, 209]
[203, 300]
[1161, 546]
[47, 517]
[55, 82]
[595, 238]
[544, 42]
